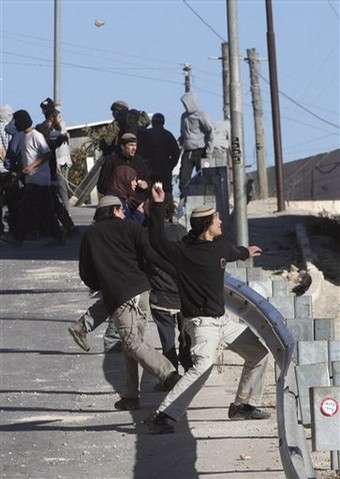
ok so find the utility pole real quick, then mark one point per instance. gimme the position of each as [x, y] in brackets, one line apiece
[253, 62]
[57, 36]
[274, 92]
[237, 140]
[187, 73]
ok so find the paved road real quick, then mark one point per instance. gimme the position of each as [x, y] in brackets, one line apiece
[57, 414]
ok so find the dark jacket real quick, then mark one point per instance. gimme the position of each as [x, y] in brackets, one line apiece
[164, 290]
[112, 253]
[117, 159]
[199, 266]
[160, 149]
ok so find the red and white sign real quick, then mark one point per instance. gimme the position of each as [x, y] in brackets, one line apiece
[329, 406]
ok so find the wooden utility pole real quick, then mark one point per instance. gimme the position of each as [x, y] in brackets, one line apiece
[187, 73]
[274, 92]
[255, 89]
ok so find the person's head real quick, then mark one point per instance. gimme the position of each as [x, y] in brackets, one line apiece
[46, 106]
[108, 207]
[129, 144]
[158, 120]
[205, 223]
[119, 109]
[22, 120]
[124, 181]
[132, 118]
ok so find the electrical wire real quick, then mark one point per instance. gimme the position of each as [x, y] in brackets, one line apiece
[203, 21]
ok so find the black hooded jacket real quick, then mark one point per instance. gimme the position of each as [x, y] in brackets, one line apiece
[199, 265]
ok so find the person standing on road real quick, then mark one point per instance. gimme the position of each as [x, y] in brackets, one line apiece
[160, 148]
[196, 139]
[111, 256]
[200, 259]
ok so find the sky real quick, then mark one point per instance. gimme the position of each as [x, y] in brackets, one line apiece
[139, 53]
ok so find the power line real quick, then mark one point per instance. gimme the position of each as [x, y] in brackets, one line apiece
[332, 7]
[203, 21]
[302, 107]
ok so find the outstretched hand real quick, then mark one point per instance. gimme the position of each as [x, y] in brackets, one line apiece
[157, 192]
[254, 251]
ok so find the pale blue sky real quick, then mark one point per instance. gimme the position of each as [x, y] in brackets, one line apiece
[139, 53]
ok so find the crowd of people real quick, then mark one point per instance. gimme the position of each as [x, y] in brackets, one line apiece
[170, 275]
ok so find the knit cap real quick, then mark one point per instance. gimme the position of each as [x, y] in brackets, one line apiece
[119, 105]
[202, 211]
[109, 200]
[128, 138]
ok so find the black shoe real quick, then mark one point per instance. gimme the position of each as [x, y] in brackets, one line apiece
[158, 423]
[246, 411]
[171, 380]
[78, 332]
[127, 404]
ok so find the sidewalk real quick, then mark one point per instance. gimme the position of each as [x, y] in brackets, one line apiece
[57, 414]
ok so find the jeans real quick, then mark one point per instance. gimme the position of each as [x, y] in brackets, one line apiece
[207, 334]
[190, 159]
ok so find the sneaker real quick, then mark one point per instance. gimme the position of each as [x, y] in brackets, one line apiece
[10, 240]
[78, 332]
[127, 404]
[158, 423]
[246, 411]
[171, 380]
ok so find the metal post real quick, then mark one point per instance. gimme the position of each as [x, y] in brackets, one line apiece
[57, 36]
[274, 92]
[253, 62]
[237, 140]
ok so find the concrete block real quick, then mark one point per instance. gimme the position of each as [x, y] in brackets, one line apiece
[281, 288]
[310, 352]
[324, 328]
[335, 373]
[254, 274]
[301, 329]
[307, 376]
[325, 418]
[284, 304]
[303, 307]
[334, 350]
[263, 287]
[240, 273]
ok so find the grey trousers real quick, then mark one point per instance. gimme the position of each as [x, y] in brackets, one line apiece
[130, 321]
[207, 334]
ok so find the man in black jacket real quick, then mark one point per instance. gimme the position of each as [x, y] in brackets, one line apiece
[112, 253]
[200, 259]
[127, 156]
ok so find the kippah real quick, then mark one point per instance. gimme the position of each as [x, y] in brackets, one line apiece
[109, 200]
[202, 211]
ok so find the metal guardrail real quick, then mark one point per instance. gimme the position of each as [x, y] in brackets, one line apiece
[87, 184]
[268, 322]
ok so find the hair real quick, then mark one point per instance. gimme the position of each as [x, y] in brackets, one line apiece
[120, 183]
[200, 225]
[158, 119]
